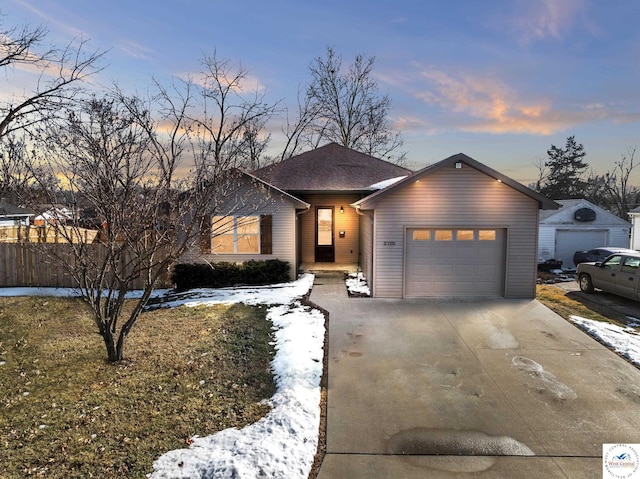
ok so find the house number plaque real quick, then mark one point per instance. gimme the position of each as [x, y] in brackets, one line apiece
[389, 243]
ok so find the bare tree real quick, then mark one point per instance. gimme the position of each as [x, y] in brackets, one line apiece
[55, 75]
[619, 195]
[232, 120]
[345, 107]
[115, 160]
[543, 174]
[16, 175]
[40, 81]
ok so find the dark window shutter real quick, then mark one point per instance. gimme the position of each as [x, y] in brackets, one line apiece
[205, 235]
[265, 234]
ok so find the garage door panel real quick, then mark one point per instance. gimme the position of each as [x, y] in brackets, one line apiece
[468, 267]
[464, 253]
[570, 241]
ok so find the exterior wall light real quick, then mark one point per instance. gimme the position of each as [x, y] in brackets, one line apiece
[341, 210]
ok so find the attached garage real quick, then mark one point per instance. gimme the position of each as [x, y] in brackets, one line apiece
[453, 229]
[453, 262]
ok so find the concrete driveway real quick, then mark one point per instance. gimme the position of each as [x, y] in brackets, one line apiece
[496, 388]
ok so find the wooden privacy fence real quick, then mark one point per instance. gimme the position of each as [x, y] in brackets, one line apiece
[47, 234]
[30, 265]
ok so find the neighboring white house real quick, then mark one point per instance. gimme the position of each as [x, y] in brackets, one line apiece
[11, 215]
[54, 215]
[578, 225]
[634, 215]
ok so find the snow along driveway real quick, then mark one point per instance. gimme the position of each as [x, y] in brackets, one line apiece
[283, 444]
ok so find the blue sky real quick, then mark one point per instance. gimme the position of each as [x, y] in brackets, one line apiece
[499, 80]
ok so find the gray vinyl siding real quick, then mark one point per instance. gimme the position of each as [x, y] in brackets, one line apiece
[283, 239]
[453, 197]
[366, 247]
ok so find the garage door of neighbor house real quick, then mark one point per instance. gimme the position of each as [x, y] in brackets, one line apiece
[570, 241]
[454, 262]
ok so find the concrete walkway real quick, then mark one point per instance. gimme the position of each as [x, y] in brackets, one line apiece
[492, 389]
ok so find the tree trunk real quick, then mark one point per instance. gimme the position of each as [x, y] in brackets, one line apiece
[112, 351]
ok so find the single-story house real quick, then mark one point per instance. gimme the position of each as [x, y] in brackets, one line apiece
[11, 215]
[578, 225]
[456, 228]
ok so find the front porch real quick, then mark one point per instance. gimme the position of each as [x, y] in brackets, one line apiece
[328, 268]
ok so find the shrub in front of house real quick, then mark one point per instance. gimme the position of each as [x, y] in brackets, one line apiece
[221, 275]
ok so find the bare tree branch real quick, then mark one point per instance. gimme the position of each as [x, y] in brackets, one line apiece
[57, 75]
[345, 107]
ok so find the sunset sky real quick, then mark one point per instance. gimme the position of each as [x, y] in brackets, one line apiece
[499, 80]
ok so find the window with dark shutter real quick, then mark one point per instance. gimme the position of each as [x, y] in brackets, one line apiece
[265, 234]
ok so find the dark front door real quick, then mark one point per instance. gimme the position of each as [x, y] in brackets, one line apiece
[325, 252]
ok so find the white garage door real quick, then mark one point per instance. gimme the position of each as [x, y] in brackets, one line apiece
[570, 241]
[454, 262]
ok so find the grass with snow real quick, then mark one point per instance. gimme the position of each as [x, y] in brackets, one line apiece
[67, 412]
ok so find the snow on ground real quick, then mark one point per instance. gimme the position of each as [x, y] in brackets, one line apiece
[67, 292]
[357, 285]
[283, 444]
[624, 341]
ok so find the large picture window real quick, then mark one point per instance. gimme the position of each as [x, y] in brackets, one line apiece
[236, 234]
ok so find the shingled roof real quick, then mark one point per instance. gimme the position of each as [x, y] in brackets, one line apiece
[9, 210]
[330, 168]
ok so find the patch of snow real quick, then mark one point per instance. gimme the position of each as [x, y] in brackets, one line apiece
[625, 341]
[381, 185]
[283, 293]
[357, 285]
[283, 443]
[67, 292]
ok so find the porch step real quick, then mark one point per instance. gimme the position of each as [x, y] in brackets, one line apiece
[328, 269]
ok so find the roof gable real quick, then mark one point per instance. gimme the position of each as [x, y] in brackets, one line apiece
[331, 167]
[565, 215]
[297, 203]
[452, 161]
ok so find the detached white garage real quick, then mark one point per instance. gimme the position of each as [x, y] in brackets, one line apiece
[578, 225]
[453, 229]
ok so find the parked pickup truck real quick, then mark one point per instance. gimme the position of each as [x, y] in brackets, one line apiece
[618, 274]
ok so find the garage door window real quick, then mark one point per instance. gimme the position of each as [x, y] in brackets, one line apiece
[444, 235]
[487, 235]
[464, 235]
[421, 235]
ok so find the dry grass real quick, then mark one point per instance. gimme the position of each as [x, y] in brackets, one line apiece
[558, 301]
[66, 412]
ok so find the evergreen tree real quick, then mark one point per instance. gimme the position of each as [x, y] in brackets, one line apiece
[566, 170]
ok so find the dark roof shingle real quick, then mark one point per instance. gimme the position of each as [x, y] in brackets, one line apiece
[7, 209]
[330, 168]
